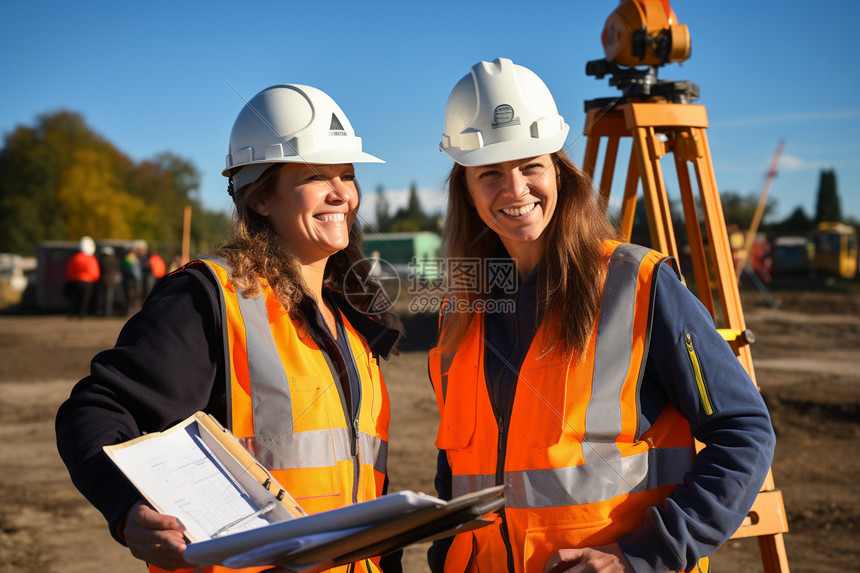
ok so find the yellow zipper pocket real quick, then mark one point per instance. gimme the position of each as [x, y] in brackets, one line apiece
[697, 372]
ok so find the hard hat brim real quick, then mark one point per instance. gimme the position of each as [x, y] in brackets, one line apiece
[506, 150]
[328, 157]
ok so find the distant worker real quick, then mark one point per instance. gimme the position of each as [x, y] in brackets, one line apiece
[156, 269]
[141, 249]
[109, 281]
[132, 278]
[82, 275]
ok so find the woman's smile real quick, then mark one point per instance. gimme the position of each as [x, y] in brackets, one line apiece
[331, 217]
[519, 211]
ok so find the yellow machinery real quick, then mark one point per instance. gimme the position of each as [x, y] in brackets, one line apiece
[835, 250]
[659, 118]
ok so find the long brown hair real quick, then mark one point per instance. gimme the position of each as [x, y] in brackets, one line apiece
[257, 256]
[571, 277]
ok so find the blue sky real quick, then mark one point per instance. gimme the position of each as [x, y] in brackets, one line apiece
[171, 76]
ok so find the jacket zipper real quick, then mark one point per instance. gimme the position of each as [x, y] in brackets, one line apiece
[352, 428]
[700, 379]
[500, 480]
[500, 455]
[356, 460]
[351, 425]
[354, 448]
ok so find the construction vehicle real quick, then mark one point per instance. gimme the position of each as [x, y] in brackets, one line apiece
[835, 248]
[659, 118]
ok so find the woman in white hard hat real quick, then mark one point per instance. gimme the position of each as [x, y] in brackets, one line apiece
[277, 311]
[582, 386]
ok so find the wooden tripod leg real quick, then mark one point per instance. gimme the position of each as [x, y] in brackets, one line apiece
[608, 170]
[694, 235]
[628, 205]
[773, 556]
[648, 149]
[718, 241]
[589, 163]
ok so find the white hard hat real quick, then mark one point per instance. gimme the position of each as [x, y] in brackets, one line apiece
[501, 112]
[87, 245]
[290, 123]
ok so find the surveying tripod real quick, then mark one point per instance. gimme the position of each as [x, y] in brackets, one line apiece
[658, 127]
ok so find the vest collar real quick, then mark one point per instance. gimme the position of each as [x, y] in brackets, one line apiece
[380, 338]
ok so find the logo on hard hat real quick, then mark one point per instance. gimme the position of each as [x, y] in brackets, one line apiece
[503, 116]
[336, 127]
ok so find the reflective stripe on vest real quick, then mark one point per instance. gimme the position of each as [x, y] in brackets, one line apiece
[278, 446]
[578, 470]
[593, 483]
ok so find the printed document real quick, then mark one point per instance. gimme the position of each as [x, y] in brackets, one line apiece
[181, 471]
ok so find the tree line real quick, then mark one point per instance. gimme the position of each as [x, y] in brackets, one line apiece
[739, 210]
[408, 219]
[61, 181]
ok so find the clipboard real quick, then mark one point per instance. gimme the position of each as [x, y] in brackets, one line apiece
[353, 543]
[267, 526]
[202, 435]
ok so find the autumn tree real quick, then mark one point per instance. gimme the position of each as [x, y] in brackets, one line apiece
[33, 162]
[62, 181]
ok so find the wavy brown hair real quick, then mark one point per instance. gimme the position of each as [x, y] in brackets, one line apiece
[570, 280]
[256, 256]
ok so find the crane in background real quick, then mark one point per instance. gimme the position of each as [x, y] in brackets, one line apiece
[743, 257]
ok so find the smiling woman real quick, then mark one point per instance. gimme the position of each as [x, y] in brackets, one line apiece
[516, 199]
[311, 208]
[579, 396]
[264, 315]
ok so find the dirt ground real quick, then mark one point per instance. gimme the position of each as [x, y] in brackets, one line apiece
[807, 364]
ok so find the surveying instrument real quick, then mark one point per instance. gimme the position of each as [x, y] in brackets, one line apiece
[658, 116]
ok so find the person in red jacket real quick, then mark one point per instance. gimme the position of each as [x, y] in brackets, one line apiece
[156, 263]
[82, 274]
[155, 269]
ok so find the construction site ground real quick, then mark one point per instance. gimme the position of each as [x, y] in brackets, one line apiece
[807, 357]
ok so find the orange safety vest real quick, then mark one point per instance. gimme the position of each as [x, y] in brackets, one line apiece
[287, 409]
[579, 469]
